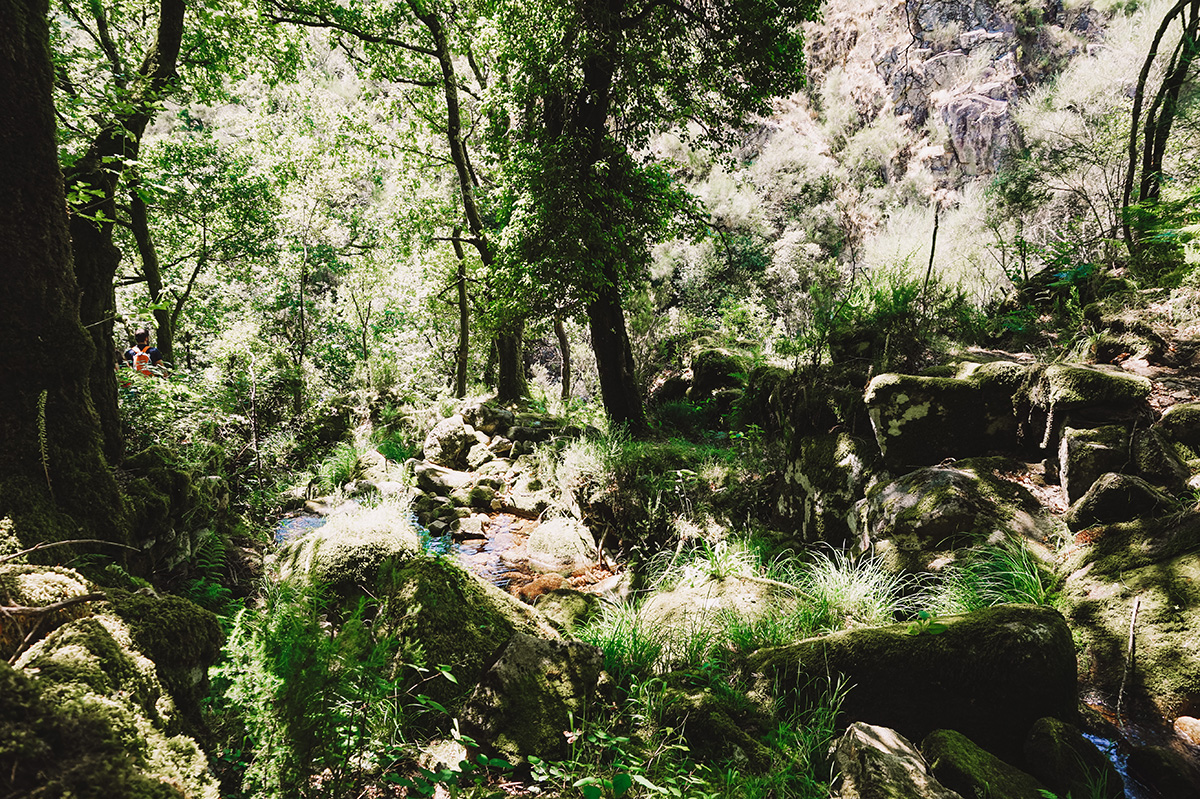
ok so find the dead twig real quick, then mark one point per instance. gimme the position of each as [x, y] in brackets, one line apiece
[49, 544]
[1137, 601]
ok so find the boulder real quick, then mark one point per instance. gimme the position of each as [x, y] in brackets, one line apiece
[1068, 763]
[1085, 454]
[439, 480]
[1090, 395]
[715, 368]
[1165, 771]
[716, 726]
[1098, 598]
[989, 674]
[561, 544]
[1155, 461]
[26, 585]
[487, 417]
[567, 608]
[478, 455]
[916, 519]
[962, 766]
[823, 480]
[704, 603]
[1116, 498]
[347, 552]
[84, 714]
[529, 695]
[453, 619]
[448, 442]
[1181, 423]
[879, 763]
[920, 421]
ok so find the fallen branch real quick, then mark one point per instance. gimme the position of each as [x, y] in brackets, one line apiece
[1137, 601]
[21, 610]
[49, 544]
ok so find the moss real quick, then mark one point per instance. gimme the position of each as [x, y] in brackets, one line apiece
[181, 638]
[84, 715]
[1181, 423]
[961, 766]
[989, 675]
[1065, 386]
[36, 586]
[452, 619]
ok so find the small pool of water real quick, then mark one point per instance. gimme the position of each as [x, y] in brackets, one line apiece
[292, 527]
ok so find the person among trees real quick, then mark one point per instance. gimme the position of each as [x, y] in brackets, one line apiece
[143, 357]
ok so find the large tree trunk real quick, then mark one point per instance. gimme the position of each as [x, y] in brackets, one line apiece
[614, 361]
[510, 350]
[97, 173]
[54, 481]
[564, 348]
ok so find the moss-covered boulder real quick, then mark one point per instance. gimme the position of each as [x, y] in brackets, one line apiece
[1156, 461]
[1099, 597]
[487, 417]
[1181, 423]
[962, 766]
[445, 616]
[182, 640]
[1090, 395]
[717, 726]
[1116, 498]
[920, 421]
[880, 763]
[716, 368]
[1166, 771]
[448, 443]
[1085, 454]
[924, 514]
[530, 694]
[84, 714]
[162, 500]
[823, 480]
[346, 553]
[27, 586]
[1059, 755]
[567, 608]
[989, 674]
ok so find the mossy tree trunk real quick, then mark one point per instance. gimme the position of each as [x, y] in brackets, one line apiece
[54, 480]
[96, 175]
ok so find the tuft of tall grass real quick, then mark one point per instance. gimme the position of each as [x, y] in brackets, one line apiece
[342, 466]
[858, 592]
[991, 575]
[633, 646]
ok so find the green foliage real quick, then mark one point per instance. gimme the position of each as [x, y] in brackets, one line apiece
[318, 705]
[992, 575]
[344, 465]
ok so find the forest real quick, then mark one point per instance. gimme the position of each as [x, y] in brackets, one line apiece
[599, 399]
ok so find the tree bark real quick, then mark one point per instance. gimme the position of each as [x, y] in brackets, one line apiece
[54, 480]
[614, 361]
[510, 349]
[464, 321]
[97, 173]
[564, 347]
[139, 221]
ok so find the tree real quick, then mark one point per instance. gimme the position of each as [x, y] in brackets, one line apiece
[53, 477]
[1154, 131]
[588, 82]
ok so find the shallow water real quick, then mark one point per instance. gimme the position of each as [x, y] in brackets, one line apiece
[292, 527]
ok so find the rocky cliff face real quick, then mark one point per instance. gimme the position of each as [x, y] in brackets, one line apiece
[949, 71]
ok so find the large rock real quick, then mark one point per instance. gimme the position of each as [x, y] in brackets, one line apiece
[921, 516]
[1155, 460]
[1085, 454]
[84, 714]
[962, 766]
[920, 421]
[713, 369]
[989, 674]
[448, 443]
[439, 480]
[561, 544]
[530, 694]
[823, 481]
[487, 417]
[1116, 498]
[1088, 395]
[1059, 755]
[717, 725]
[453, 619]
[982, 132]
[1181, 423]
[879, 763]
[347, 552]
[1107, 577]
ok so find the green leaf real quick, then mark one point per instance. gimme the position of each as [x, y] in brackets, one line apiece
[591, 792]
[621, 783]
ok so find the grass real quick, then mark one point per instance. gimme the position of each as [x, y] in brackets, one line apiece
[991, 575]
